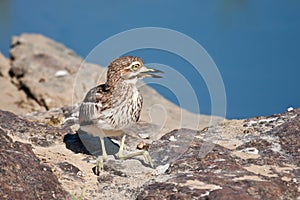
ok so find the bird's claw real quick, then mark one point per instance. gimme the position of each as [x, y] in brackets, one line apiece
[147, 158]
[99, 166]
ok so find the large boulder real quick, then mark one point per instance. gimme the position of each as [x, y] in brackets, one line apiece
[53, 76]
[47, 70]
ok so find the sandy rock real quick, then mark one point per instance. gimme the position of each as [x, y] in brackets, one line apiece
[48, 71]
[4, 66]
[22, 175]
[12, 97]
[168, 116]
[15, 100]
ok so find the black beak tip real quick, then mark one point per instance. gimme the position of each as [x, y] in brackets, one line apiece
[158, 71]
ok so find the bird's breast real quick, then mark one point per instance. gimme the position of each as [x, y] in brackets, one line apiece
[127, 108]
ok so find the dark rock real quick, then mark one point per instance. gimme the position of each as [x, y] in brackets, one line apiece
[178, 143]
[22, 176]
[69, 171]
[229, 174]
[38, 133]
[105, 178]
[289, 137]
[230, 193]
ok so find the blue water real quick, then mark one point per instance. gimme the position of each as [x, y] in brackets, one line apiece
[255, 44]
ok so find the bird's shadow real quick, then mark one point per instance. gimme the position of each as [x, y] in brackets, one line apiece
[81, 142]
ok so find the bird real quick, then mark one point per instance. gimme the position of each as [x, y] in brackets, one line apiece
[110, 108]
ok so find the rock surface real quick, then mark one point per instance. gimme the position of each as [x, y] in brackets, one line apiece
[11, 97]
[22, 175]
[47, 71]
[255, 158]
[261, 162]
[4, 66]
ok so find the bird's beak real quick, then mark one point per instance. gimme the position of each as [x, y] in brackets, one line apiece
[148, 72]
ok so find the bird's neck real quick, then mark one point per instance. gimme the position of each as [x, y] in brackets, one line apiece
[124, 91]
[132, 81]
[121, 84]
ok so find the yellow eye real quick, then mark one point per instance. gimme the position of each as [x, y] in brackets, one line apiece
[135, 67]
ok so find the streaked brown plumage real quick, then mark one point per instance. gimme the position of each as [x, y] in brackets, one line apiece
[114, 106]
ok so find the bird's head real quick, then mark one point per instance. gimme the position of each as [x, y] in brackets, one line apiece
[129, 68]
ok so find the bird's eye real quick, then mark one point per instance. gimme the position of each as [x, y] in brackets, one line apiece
[135, 67]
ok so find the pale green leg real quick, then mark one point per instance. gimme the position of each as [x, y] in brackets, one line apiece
[101, 159]
[144, 153]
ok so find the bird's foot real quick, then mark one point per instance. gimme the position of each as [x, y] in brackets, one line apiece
[99, 167]
[99, 164]
[144, 153]
[147, 158]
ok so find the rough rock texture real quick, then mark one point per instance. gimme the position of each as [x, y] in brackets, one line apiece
[47, 71]
[22, 176]
[11, 98]
[36, 133]
[255, 158]
[261, 162]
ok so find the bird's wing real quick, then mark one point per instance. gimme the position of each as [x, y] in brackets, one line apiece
[96, 101]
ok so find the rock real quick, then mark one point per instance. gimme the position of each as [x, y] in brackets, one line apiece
[53, 76]
[22, 176]
[37, 133]
[168, 116]
[11, 97]
[15, 100]
[231, 173]
[256, 158]
[4, 66]
[37, 63]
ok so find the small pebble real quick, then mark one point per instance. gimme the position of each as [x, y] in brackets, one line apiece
[161, 169]
[61, 73]
[144, 135]
[172, 138]
[250, 150]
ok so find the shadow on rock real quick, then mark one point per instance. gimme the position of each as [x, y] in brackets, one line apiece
[82, 142]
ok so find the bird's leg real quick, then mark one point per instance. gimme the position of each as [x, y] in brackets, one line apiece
[144, 153]
[99, 165]
[121, 148]
[101, 159]
[104, 154]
